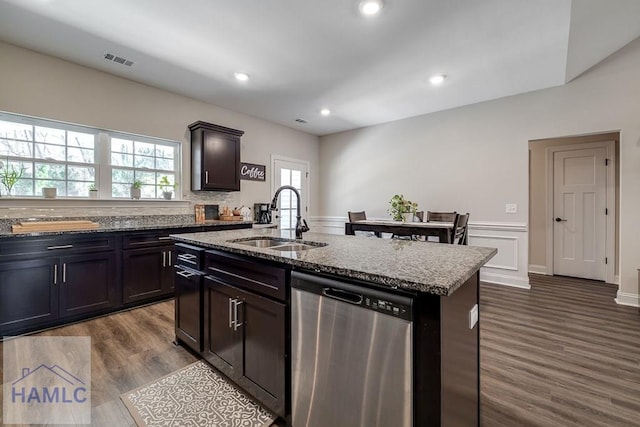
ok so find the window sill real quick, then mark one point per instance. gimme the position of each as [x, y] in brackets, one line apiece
[66, 202]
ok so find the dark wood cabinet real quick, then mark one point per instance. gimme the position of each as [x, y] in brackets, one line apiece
[215, 157]
[244, 337]
[44, 290]
[147, 273]
[87, 283]
[28, 293]
[188, 307]
[245, 325]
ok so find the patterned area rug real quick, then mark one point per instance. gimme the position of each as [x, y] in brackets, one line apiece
[194, 396]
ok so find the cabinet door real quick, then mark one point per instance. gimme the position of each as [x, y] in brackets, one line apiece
[220, 162]
[28, 294]
[188, 308]
[147, 273]
[87, 283]
[264, 350]
[222, 344]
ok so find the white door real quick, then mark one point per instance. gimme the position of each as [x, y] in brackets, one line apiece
[294, 173]
[579, 235]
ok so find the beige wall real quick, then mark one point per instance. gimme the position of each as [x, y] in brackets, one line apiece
[475, 158]
[44, 86]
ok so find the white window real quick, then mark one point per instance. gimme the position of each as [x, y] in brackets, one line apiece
[37, 153]
[145, 161]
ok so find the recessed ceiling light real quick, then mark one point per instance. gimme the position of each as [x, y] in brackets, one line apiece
[241, 77]
[370, 7]
[325, 111]
[437, 79]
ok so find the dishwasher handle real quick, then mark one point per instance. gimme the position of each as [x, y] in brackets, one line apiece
[342, 295]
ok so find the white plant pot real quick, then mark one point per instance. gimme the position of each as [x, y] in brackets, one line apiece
[49, 192]
[135, 193]
[167, 195]
[93, 194]
[407, 217]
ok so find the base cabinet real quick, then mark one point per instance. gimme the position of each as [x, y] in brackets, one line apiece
[188, 307]
[28, 293]
[244, 337]
[40, 291]
[147, 273]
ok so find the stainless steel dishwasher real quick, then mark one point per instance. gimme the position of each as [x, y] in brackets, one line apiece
[351, 355]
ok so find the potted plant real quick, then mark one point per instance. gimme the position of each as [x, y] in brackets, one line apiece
[402, 209]
[136, 189]
[93, 191]
[9, 175]
[166, 187]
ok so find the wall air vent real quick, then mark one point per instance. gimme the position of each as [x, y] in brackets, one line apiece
[118, 59]
[303, 121]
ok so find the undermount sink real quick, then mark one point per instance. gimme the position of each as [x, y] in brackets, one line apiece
[276, 244]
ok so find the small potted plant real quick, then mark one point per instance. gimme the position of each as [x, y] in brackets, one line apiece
[166, 187]
[402, 209]
[93, 191]
[136, 192]
[9, 176]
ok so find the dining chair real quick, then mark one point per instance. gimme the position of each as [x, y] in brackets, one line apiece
[460, 230]
[357, 216]
[361, 216]
[441, 216]
[420, 215]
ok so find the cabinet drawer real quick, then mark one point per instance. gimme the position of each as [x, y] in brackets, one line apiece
[21, 247]
[243, 272]
[153, 238]
[189, 256]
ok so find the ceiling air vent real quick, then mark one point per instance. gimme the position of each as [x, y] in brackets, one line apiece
[303, 121]
[118, 59]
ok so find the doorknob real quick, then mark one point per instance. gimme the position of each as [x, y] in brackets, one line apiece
[560, 220]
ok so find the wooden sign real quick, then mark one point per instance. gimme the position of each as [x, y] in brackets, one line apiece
[252, 172]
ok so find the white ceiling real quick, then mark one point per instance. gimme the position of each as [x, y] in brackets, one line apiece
[303, 55]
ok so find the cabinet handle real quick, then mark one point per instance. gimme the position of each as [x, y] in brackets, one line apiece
[164, 259]
[55, 274]
[206, 177]
[50, 248]
[169, 258]
[64, 272]
[236, 325]
[185, 274]
[164, 238]
[231, 321]
[186, 257]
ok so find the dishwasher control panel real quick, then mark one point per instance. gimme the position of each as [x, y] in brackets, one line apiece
[388, 307]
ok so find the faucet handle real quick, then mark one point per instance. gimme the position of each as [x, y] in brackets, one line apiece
[305, 227]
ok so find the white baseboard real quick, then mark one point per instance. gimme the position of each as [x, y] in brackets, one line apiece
[538, 269]
[624, 298]
[506, 280]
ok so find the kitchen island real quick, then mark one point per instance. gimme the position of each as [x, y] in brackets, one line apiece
[441, 280]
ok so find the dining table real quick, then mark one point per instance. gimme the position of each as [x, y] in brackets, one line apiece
[443, 230]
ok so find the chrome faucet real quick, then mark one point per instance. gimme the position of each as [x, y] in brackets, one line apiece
[300, 228]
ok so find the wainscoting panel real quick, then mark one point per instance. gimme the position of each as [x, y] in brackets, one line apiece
[510, 265]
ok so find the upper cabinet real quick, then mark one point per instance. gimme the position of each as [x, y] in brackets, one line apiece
[215, 157]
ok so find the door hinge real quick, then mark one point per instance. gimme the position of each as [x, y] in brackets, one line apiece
[307, 175]
[606, 162]
[606, 260]
[606, 211]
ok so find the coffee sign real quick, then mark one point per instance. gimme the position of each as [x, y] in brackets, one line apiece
[252, 172]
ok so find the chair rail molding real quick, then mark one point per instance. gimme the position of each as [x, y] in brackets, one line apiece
[510, 265]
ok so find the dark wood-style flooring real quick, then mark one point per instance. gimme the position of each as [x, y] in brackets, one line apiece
[560, 354]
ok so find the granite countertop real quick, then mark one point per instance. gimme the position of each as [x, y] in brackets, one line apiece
[428, 267]
[121, 223]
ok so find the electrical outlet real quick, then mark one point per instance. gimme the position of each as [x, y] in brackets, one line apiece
[473, 316]
[511, 208]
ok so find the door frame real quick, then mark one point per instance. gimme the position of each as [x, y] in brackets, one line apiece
[307, 197]
[610, 219]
